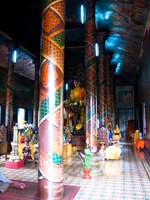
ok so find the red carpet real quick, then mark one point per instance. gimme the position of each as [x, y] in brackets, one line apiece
[70, 191]
[29, 193]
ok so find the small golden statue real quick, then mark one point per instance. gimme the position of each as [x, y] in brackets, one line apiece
[116, 134]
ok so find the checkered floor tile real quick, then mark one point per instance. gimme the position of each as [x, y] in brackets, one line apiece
[123, 179]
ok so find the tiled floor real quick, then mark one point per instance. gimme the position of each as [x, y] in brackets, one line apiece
[124, 179]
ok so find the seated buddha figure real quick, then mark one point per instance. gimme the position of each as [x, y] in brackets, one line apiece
[78, 93]
[77, 106]
[116, 134]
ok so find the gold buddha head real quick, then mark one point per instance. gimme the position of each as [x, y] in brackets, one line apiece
[76, 83]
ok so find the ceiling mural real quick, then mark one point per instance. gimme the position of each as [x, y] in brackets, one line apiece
[24, 65]
[125, 21]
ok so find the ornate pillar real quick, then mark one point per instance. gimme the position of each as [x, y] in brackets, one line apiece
[9, 93]
[112, 88]
[91, 77]
[36, 94]
[51, 101]
[109, 86]
[101, 36]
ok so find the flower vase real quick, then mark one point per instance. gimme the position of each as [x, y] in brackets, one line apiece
[87, 173]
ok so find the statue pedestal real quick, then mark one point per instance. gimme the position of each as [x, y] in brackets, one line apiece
[14, 159]
[14, 165]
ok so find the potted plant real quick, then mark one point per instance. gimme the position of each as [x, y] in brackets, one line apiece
[86, 162]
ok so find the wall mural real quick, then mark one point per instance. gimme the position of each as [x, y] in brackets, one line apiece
[125, 97]
[125, 106]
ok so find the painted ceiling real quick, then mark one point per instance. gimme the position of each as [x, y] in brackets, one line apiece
[24, 65]
[125, 21]
[21, 22]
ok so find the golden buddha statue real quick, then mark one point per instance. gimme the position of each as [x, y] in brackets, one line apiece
[77, 93]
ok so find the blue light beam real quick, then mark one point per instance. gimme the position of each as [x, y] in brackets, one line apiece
[96, 49]
[66, 86]
[14, 56]
[82, 14]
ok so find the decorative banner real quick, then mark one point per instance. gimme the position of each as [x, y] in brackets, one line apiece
[51, 101]
[91, 78]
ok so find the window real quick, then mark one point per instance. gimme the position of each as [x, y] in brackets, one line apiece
[82, 14]
[20, 117]
[14, 56]
[96, 49]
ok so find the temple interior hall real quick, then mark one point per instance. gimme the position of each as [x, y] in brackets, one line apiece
[75, 100]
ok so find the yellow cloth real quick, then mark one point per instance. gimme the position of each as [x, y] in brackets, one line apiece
[67, 151]
[136, 136]
[116, 137]
[77, 93]
[113, 152]
[20, 148]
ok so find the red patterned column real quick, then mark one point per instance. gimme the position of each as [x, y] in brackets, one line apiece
[91, 77]
[51, 101]
[9, 94]
[108, 86]
[101, 36]
[112, 95]
[36, 94]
